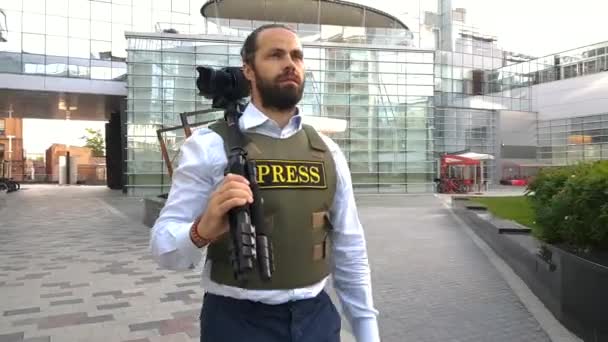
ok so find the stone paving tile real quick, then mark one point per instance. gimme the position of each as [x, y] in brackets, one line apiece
[57, 294]
[113, 306]
[12, 337]
[92, 256]
[21, 311]
[67, 301]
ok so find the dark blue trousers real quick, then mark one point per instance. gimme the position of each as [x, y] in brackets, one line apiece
[226, 319]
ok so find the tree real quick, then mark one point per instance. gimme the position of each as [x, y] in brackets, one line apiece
[94, 141]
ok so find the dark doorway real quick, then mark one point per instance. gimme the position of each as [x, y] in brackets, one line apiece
[115, 152]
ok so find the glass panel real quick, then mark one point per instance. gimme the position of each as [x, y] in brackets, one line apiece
[33, 64]
[11, 5]
[100, 49]
[34, 6]
[142, 21]
[56, 46]
[33, 23]
[119, 43]
[33, 43]
[57, 66]
[10, 62]
[101, 11]
[79, 48]
[59, 8]
[118, 70]
[101, 31]
[80, 28]
[101, 70]
[79, 67]
[56, 26]
[121, 14]
[79, 9]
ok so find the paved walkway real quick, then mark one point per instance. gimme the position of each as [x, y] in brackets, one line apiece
[74, 266]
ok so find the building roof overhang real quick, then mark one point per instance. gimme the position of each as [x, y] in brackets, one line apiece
[319, 12]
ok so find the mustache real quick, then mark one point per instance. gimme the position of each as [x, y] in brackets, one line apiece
[289, 76]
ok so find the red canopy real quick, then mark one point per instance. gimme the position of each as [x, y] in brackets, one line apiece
[450, 159]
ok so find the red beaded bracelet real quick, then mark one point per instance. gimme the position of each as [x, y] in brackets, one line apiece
[198, 240]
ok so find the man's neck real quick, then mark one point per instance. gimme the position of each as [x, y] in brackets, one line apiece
[281, 117]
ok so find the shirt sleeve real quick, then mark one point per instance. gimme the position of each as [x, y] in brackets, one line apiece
[200, 169]
[351, 272]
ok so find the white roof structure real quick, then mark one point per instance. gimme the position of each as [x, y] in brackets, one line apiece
[476, 156]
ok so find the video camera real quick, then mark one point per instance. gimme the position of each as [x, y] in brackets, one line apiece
[249, 240]
[222, 85]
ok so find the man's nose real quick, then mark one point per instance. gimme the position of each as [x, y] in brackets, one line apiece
[291, 63]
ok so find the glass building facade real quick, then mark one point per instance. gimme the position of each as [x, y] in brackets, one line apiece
[407, 95]
[577, 62]
[570, 140]
[468, 93]
[84, 38]
[384, 94]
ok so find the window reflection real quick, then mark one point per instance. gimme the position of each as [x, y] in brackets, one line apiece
[101, 30]
[142, 20]
[57, 66]
[101, 11]
[79, 9]
[34, 6]
[78, 48]
[79, 28]
[101, 49]
[79, 67]
[121, 14]
[33, 64]
[56, 46]
[56, 25]
[33, 23]
[101, 69]
[33, 43]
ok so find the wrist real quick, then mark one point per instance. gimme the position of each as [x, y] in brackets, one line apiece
[199, 238]
[204, 227]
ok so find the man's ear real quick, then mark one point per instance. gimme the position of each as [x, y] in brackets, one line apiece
[248, 72]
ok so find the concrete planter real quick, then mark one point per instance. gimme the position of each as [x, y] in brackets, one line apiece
[574, 289]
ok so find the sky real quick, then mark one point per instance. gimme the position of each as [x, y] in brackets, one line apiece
[534, 27]
[39, 135]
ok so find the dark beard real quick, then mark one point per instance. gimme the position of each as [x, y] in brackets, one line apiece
[277, 97]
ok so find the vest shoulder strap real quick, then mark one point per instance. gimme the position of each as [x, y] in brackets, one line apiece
[221, 128]
[315, 140]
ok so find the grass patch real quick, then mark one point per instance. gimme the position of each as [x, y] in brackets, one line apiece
[517, 208]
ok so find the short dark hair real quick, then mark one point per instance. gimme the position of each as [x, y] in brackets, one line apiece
[251, 42]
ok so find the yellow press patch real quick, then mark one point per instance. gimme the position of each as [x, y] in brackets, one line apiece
[290, 174]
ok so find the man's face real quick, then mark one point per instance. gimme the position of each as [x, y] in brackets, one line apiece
[277, 72]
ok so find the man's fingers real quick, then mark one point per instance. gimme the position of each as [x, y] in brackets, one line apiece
[231, 203]
[234, 193]
[235, 185]
[233, 177]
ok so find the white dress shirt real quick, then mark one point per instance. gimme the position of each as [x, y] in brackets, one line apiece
[201, 169]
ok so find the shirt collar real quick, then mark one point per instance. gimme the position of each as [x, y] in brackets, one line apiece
[253, 117]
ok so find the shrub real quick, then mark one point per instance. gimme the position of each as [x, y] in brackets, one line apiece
[571, 205]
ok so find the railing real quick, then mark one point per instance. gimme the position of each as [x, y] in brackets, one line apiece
[577, 62]
[61, 66]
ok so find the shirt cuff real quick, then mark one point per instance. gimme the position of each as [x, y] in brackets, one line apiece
[185, 244]
[366, 330]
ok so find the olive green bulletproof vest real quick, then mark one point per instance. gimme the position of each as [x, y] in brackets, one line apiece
[297, 180]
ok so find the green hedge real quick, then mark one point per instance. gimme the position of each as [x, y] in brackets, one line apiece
[571, 205]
